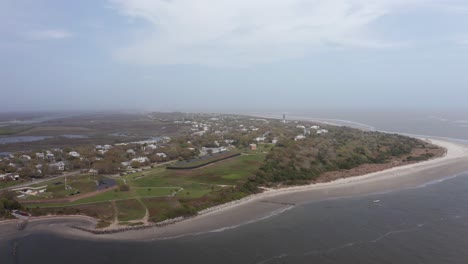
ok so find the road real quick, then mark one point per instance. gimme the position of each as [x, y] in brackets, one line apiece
[73, 173]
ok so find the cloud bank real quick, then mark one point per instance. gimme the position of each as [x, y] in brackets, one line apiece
[244, 32]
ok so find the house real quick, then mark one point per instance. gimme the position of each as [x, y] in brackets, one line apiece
[58, 165]
[162, 155]
[98, 146]
[74, 154]
[25, 158]
[199, 133]
[131, 151]
[102, 151]
[322, 131]
[50, 156]
[213, 150]
[40, 155]
[301, 127]
[253, 146]
[260, 139]
[11, 176]
[274, 141]
[140, 159]
[152, 147]
[107, 147]
[315, 127]
[299, 137]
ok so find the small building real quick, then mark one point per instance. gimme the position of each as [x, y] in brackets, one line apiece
[315, 127]
[151, 147]
[131, 151]
[253, 146]
[40, 155]
[140, 159]
[25, 158]
[58, 165]
[162, 155]
[260, 139]
[50, 156]
[74, 154]
[322, 131]
[107, 147]
[299, 137]
[9, 176]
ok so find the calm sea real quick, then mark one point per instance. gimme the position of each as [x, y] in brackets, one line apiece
[428, 224]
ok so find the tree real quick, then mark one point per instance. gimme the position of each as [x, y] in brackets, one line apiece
[135, 164]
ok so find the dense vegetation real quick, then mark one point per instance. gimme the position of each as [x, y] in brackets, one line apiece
[294, 162]
[7, 204]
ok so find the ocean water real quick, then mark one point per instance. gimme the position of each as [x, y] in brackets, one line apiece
[425, 224]
[428, 224]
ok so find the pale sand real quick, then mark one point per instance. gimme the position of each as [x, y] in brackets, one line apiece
[272, 202]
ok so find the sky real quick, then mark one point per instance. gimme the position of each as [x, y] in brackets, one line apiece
[228, 55]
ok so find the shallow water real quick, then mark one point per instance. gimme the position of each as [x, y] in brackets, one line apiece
[18, 139]
[428, 224]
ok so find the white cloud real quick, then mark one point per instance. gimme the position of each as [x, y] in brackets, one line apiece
[48, 34]
[244, 32]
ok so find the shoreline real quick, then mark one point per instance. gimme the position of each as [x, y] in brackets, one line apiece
[258, 206]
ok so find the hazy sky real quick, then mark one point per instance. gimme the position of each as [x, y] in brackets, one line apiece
[229, 54]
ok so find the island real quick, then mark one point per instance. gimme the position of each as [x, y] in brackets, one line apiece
[211, 161]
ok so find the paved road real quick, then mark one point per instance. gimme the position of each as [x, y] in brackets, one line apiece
[73, 173]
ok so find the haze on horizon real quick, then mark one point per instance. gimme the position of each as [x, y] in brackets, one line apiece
[225, 54]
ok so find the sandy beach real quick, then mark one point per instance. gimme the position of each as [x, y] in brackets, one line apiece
[269, 203]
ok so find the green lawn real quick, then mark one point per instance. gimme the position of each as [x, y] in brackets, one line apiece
[154, 187]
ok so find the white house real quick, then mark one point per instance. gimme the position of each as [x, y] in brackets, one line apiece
[162, 155]
[315, 127]
[107, 147]
[131, 151]
[140, 159]
[11, 176]
[152, 147]
[301, 127]
[213, 150]
[260, 139]
[74, 154]
[50, 156]
[40, 155]
[299, 137]
[25, 157]
[199, 133]
[58, 165]
[322, 131]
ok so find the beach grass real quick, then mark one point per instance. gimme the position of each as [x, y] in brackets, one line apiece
[130, 210]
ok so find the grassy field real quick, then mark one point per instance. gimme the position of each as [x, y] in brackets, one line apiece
[130, 210]
[160, 190]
